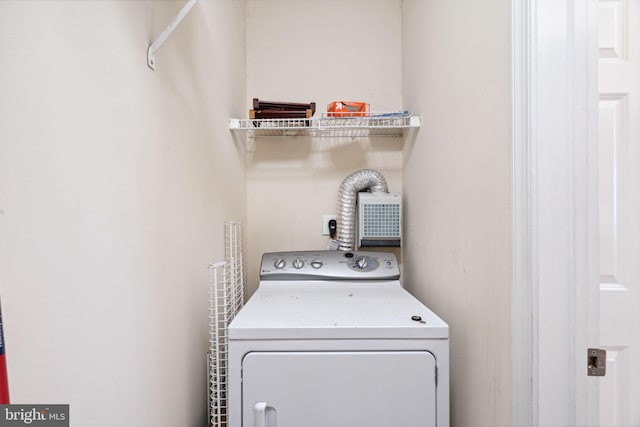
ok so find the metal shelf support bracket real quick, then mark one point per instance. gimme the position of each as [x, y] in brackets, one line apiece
[151, 51]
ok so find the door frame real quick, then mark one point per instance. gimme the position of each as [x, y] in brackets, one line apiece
[555, 211]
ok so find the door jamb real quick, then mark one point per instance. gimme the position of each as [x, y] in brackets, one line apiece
[555, 222]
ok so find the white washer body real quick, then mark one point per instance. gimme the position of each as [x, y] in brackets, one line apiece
[353, 350]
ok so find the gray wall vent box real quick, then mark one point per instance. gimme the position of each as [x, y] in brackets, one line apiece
[379, 219]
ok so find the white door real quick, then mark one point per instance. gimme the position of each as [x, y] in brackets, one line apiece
[339, 389]
[619, 175]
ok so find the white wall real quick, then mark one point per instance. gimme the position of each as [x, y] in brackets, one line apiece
[457, 192]
[322, 51]
[115, 181]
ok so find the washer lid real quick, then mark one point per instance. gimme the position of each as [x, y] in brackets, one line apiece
[335, 310]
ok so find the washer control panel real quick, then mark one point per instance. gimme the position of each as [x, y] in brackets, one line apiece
[329, 265]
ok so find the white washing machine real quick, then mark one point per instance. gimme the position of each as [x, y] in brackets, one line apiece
[331, 339]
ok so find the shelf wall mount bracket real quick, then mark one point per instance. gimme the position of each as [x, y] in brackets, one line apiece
[151, 51]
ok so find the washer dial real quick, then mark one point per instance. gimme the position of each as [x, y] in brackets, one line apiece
[316, 263]
[363, 264]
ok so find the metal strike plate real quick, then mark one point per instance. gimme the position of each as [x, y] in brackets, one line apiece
[596, 362]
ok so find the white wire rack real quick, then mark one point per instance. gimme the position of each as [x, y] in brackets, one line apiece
[226, 297]
[234, 254]
[375, 124]
[219, 318]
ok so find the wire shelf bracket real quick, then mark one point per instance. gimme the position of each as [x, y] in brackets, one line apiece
[151, 51]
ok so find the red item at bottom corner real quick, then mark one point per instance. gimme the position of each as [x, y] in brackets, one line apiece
[4, 381]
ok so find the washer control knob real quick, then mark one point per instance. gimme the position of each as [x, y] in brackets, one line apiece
[316, 263]
[362, 263]
[279, 263]
[298, 263]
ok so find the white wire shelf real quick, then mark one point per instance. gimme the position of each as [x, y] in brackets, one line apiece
[375, 124]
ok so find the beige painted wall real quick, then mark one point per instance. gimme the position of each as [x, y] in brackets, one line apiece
[322, 51]
[457, 192]
[115, 181]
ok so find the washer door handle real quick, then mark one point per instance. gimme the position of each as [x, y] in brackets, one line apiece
[265, 415]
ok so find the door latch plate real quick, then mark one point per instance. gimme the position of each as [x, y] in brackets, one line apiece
[596, 362]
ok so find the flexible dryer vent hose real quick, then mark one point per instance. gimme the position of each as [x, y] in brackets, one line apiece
[362, 180]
